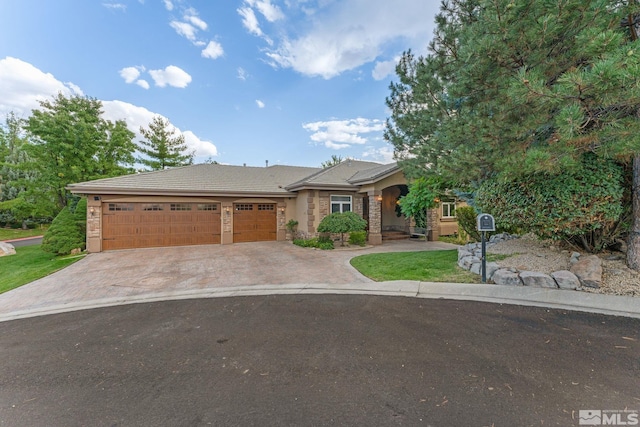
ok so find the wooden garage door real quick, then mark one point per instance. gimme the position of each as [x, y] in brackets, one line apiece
[145, 225]
[254, 222]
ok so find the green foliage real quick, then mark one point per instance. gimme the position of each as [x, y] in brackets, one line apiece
[335, 160]
[28, 264]
[291, 225]
[428, 266]
[314, 242]
[161, 148]
[422, 195]
[67, 231]
[358, 238]
[467, 220]
[340, 223]
[71, 142]
[582, 206]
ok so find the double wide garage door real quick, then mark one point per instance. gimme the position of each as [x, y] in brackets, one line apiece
[145, 225]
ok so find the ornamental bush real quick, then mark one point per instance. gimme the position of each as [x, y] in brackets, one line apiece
[67, 231]
[340, 223]
[467, 220]
[358, 238]
[583, 207]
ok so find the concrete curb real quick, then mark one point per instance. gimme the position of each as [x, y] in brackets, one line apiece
[535, 297]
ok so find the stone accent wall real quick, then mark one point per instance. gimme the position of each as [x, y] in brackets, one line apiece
[311, 218]
[227, 223]
[93, 221]
[358, 204]
[375, 215]
[433, 220]
[325, 204]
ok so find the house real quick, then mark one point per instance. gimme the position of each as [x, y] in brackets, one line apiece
[222, 204]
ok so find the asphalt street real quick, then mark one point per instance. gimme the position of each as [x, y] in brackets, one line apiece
[313, 360]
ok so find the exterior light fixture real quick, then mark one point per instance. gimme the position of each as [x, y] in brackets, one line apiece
[282, 209]
[379, 198]
[92, 210]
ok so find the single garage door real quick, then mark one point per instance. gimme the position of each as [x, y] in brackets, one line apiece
[145, 225]
[254, 222]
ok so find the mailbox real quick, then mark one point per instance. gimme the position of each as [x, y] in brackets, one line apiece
[486, 223]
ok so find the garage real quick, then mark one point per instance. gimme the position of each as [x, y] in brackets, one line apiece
[145, 225]
[254, 222]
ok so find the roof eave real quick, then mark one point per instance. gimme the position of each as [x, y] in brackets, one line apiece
[337, 187]
[375, 179]
[174, 193]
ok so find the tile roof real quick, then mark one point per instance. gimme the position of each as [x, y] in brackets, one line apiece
[203, 179]
[200, 179]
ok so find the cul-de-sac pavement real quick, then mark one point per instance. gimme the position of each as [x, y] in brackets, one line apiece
[273, 334]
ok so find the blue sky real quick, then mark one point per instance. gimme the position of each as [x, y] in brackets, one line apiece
[289, 81]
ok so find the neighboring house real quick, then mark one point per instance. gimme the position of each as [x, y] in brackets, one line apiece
[211, 203]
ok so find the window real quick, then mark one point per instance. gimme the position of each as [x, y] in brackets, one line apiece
[448, 209]
[266, 207]
[120, 206]
[340, 204]
[152, 207]
[207, 207]
[243, 207]
[180, 207]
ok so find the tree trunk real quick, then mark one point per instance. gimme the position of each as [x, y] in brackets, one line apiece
[633, 251]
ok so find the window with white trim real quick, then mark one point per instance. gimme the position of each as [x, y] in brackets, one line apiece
[448, 209]
[340, 204]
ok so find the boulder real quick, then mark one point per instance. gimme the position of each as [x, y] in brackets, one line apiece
[566, 279]
[462, 252]
[506, 277]
[575, 257]
[492, 267]
[468, 261]
[589, 271]
[7, 249]
[538, 280]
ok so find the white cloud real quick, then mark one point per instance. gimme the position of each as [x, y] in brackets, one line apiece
[143, 84]
[382, 154]
[172, 76]
[250, 21]
[137, 117]
[184, 29]
[191, 15]
[168, 5]
[344, 35]
[270, 11]
[242, 74]
[115, 6]
[338, 134]
[130, 74]
[213, 50]
[259, 103]
[22, 85]
[384, 69]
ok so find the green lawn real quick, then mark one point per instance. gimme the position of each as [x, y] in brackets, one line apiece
[28, 264]
[427, 266]
[10, 233]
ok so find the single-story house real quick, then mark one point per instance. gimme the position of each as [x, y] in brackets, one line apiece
[212, 203]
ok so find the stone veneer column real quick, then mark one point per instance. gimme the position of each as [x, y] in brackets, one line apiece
[311, 229]
[227, 223]
[433, 225]
[375, 219]
[94, 220]
[358, 204]
[281, 233]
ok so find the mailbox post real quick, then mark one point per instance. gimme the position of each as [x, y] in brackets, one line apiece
[485, 223]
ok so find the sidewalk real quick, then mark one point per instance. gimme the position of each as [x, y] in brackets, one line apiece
[537, 297]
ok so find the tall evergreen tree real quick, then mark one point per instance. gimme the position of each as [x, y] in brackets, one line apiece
[161, 148]
[512, 88]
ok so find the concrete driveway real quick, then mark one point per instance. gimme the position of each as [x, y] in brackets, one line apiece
[129, 273]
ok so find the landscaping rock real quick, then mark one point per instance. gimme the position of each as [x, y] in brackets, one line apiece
[566, 279]
[538, 280]
[492, 267]
[506, 277]
[575, 257]
[476, 268]
[468, 261]
[7, 249]
[463, 253]
[589, 271]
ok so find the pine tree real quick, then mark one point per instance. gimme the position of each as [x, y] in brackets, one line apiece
[161, 148]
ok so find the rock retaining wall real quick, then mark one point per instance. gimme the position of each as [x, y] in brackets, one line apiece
[585, 271]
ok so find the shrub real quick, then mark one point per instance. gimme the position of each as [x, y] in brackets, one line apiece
[358, 238]
[583, 206]
[67, 231]
[340, 223]
[314, 243]
[467, 220]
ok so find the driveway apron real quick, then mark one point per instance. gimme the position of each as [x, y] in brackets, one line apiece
[121, 274]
